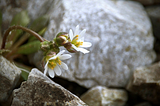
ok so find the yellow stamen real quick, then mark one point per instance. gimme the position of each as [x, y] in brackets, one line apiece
[53, 63]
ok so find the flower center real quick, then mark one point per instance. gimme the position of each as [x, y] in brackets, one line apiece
[75, 41]
[53, 63]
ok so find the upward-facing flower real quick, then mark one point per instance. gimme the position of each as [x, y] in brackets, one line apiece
[54, 64]
[77, 40]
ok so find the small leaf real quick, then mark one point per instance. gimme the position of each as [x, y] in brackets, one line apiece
[25, 70]
[22, 19]
[32, 38]
[29, 48]
[39, 23]
[24, 75]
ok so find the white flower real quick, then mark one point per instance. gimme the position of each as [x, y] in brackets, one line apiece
[77, 40]
[54, 64]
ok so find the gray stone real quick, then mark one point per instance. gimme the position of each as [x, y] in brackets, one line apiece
[102, 96]
[121, 37]
[154, 14]
[39, 90]
[9, 75]
[148, 2]
[146, 83]
[143, 104]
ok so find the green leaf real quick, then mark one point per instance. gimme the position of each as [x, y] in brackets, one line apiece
[24, 75]
[39, 23]
[22, 19]
[25, 70]
[29, 48]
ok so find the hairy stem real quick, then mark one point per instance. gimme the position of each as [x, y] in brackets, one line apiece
[22, 28]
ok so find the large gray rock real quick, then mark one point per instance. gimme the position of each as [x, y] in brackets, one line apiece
[121, 37]
[39, 90]
[102, 96]
[146, 83]
[9, 77]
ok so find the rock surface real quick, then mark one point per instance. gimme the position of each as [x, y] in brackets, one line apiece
[148, 2]
[9, 76]
[39, 90]
[154, 14]
[146, 83]
[121, 37]
[102, 96]
[143, 104]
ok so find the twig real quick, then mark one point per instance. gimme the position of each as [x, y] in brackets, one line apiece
[22, 28]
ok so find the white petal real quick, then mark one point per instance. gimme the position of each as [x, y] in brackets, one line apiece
[76, 30]
[61, 52]
[65, 56]
[86, 44]
[46, 65]
[75, 47]
[82, 33]
[45, 70]
[64, 66]
[83, 50]
[71, 34]
[57, 70]
[51, 73]
[53, 58]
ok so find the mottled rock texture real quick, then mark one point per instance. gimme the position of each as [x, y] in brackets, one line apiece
[102, 96]
[146, 83]
[9, 76]
[121, 37]
[39, 90]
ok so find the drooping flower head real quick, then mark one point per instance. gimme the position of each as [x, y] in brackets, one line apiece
[77, 40]
[54, 64]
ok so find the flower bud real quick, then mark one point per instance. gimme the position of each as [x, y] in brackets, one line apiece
[45, 46]
[69, 47]
[61, 38]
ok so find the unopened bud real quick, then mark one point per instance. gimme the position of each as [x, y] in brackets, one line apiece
[45, 46]
[69, 47]
[61, 38]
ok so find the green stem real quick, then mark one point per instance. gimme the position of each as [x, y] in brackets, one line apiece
[22, 28]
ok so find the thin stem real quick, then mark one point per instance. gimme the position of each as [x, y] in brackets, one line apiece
[22, 28]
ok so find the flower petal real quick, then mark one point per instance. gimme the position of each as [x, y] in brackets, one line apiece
[51, 73]
[76, 30]
[45, 70]
[53, 57]
[57, 70]
[46, 65]
[61, 52]
[71, 34]
[82, 33]
[83, 50]
[86, 44]
[64, 66]
[75, 47]
[65, 56]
